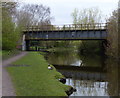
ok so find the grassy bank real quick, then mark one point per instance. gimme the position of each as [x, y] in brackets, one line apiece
[0, 52]
[60, 49]
[36, 79]
[8, 53]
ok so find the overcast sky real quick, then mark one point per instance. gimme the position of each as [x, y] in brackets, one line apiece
[61, 9]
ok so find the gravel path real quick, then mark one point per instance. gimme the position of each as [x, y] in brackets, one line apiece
[7, 86]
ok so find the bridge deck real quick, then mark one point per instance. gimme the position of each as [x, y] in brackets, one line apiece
[66, 32]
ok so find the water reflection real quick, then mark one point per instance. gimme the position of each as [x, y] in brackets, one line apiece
[62, 58]
[73, 58]
[112, 77]
[88, 87]
[90, 75]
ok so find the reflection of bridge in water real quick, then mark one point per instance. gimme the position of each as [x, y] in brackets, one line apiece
[66, 32]
[82, 73]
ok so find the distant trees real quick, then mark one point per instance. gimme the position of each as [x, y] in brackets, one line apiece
[16, 17]
[75, 16]
[10, 33]
[88, 16]
[112, 50]
[119, 39]
[33, 14]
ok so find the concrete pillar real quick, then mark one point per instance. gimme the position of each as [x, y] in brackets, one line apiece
[23, 43]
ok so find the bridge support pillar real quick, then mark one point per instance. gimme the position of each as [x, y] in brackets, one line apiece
[27, 45]
[23, 43]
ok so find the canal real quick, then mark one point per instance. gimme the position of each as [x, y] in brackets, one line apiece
[91, 75]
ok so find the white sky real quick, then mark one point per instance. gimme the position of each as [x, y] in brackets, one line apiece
[61, 9]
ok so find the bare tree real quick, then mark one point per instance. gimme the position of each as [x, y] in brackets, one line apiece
[10, 7]
[75, 16]
[33, 14]
[85, 16]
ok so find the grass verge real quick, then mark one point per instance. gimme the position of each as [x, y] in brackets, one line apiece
[62, 49]
[0, 52]
[7, 54]
[36, 79]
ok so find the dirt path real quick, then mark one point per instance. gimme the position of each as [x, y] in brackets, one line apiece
[7, 86]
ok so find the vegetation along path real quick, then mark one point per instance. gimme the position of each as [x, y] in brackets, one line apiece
[7, 86]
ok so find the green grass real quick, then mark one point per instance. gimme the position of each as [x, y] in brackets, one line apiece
[61, 49]
[0, 53]
[7, 54]
[36, 80]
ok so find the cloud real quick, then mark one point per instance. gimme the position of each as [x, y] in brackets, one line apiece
[61, 9]
[70, 1]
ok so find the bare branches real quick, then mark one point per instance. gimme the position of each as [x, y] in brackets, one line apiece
[86, 16]
[10, 7]
[33, 14]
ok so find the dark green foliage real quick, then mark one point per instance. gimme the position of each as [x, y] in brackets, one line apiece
[8, 54]
[91, 47]
[62, 44]
[10, 33]
[51, 44]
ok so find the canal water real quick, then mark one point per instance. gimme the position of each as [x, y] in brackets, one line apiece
[91, 75]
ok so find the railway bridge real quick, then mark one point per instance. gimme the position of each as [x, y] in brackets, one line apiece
[96, 31]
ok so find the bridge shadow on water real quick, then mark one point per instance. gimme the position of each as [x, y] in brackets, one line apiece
[91, 75]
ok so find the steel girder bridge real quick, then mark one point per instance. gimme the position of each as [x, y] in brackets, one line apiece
[38, 33]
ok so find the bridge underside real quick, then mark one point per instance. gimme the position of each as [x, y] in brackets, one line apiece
[65, 35]
[62, 39]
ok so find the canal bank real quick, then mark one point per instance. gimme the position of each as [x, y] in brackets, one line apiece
[31, 77]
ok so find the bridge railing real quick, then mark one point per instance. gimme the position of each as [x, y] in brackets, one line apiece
[94, 26]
